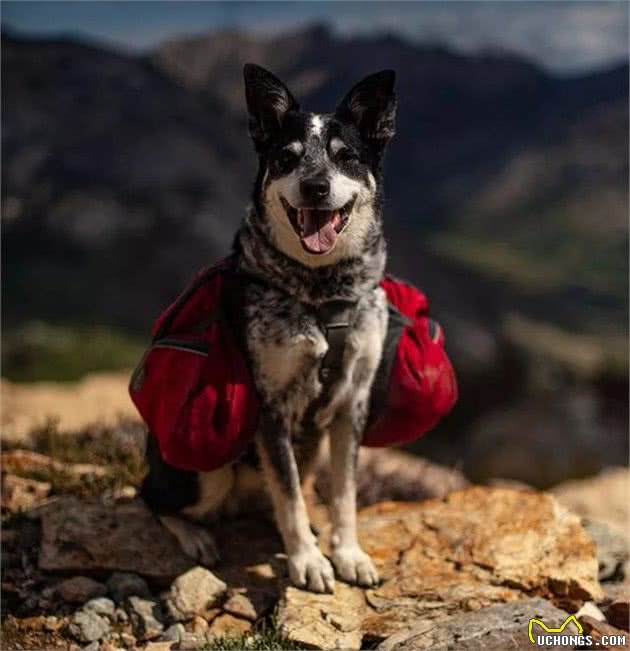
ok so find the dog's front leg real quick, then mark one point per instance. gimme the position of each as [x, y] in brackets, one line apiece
[308, 567]
[351, 563]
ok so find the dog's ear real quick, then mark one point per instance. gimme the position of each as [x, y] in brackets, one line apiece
[371, 105]
[268, 101]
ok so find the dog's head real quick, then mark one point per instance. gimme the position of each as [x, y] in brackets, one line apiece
[318, 188]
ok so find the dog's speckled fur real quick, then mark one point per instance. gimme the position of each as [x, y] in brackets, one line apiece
[281, 329]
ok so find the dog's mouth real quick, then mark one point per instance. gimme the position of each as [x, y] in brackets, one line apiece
[317, 229]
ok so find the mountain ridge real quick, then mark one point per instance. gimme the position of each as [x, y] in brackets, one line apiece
[108, 152]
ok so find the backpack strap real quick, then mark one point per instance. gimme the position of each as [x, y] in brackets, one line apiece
[396, 323]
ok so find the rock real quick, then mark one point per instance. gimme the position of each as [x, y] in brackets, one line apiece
[198, 625]
[21, 494]
[590, 609]
[325, 621]
[29, 461]
[475, 548]
[228, 625]
[128, 640]
[107, 645]
[39, 623]
[92, 646]
[125, 493]
[33, 633]
[52, 623]
[194, 593]
[101, 606]
[616, 591]
[618, 614]
[251, 605]
[120, 616]
[87, 626]
[612, 548]
[146, 617]
[191, 642]
[48, 592]
[79, 589]
[81, 535]
[125, 584]
[597, 630]
[173, 633]
[603, 498]
[503, 626]
[158, 646]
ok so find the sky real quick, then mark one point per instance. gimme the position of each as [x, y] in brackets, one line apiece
[563, 36]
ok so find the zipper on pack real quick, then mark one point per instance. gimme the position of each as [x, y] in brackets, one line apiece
[197, 347]
[174, 343]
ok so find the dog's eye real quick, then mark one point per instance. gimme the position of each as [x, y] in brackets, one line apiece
[287, 159]
[347, 155]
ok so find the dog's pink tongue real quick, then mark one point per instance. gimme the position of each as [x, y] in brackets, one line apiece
[318, 233]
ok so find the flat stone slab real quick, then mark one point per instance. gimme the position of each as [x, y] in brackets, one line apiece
[504, 627]
[89, 536]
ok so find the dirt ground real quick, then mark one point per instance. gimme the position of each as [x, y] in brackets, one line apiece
[100, 398]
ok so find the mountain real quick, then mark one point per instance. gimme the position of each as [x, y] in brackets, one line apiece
[126, 169]
[507, 191]
[113, 177]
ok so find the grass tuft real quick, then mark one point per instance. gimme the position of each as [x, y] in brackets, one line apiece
[119, 449]
[267, 637]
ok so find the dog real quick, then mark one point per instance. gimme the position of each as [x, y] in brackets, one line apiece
[313, 239]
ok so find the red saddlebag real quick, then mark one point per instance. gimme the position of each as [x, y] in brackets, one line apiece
[415, 384]
[193, 387]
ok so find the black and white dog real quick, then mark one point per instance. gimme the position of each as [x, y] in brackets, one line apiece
[313, 238]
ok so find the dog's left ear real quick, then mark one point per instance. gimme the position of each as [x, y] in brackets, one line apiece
[371, 105]
[268, 101]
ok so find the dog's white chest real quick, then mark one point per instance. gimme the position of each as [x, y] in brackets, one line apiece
[294, 359]
[290, 359]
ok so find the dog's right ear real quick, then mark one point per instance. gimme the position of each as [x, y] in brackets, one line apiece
[268, 102]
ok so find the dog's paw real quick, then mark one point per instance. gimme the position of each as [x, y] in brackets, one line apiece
[195, 541]
[310, 569]
[354, 566]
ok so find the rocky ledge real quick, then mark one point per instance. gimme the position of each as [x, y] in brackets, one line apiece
[468, 567]
[474, 549]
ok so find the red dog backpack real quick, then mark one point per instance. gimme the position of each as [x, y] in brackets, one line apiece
[195, 391]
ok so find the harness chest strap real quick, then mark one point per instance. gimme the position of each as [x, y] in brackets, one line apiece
[334, 318]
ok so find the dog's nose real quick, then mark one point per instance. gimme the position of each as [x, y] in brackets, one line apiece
[314, 190]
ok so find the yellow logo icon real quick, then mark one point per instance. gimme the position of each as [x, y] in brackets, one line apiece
[547, 629]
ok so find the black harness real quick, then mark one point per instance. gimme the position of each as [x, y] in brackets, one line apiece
[333, 317]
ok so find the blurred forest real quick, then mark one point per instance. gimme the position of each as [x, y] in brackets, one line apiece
[507, 202]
